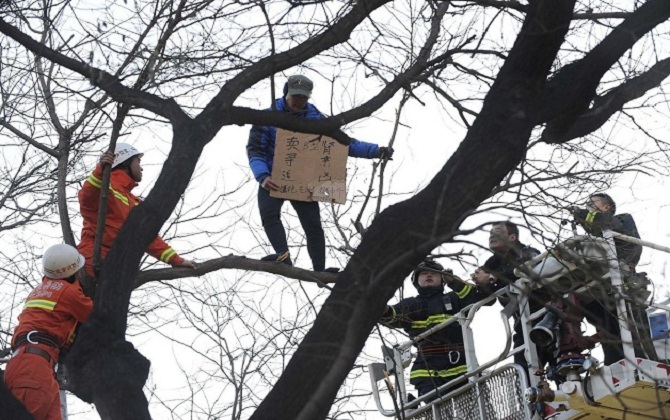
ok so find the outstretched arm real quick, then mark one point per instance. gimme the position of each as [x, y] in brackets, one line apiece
[398, 315]
[362, 149]
[160, 250]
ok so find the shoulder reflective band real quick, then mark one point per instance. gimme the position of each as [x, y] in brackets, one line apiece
[48, 305]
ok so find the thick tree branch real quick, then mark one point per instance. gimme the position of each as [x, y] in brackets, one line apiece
[166, 108]
[572, 89]
[29, 140]
[519, 7]
[234, 262]
[613, 101]
[602, 15]
[374, 273]
[331, 126]
[328, 126]
[501, 4]
[101, 346]
[337, 33]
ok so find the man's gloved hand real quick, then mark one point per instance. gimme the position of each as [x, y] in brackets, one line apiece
[573, 209]
[448, 276]
[385, 153]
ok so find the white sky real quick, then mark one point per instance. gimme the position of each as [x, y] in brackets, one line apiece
[224, 165]
[422, 147]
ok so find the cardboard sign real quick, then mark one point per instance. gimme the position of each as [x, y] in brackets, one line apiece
[309, 167]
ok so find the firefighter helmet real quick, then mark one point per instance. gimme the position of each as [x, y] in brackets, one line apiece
[427, 265]
[61, 261]
[123, 152]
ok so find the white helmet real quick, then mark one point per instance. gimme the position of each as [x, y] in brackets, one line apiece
[61, 261]
[123, 152]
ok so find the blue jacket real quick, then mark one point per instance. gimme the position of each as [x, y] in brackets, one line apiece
[261, 144]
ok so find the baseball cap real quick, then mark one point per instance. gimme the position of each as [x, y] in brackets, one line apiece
[300, 85]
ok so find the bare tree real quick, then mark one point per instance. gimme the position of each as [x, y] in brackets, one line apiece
[173, 70]
[520, 98]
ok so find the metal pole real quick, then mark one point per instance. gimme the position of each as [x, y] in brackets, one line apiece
[617, 284]
[530, 352]
[63, 404]
[472, 362]
[640, 242]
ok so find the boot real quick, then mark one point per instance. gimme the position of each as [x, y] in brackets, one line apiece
[284, 257]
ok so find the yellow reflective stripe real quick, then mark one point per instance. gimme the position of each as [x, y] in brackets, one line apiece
[445, 373]
[120, 196]
[394, 312]
[433, 319]
[167, 254]
[48, 305]
[464, 291]
[590, 216]
[95, 181]
[98, 184]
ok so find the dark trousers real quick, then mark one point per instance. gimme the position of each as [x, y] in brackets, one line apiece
[602, 315]
[310, 220]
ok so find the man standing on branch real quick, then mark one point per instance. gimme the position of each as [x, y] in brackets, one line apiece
[46, 325]
[260, 150]
[126, 174]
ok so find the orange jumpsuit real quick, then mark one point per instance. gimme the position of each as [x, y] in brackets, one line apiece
[119, 204]
[54, 309]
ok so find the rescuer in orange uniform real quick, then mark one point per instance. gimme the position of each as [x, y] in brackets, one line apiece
[47, 323]
[126, 174]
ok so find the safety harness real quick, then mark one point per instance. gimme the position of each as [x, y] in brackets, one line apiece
[26, 343]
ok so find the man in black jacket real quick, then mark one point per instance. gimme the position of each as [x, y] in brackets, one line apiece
[441, 356]
[600, 214]
[508, 254]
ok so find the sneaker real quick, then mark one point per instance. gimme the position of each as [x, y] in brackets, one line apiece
[284, 257]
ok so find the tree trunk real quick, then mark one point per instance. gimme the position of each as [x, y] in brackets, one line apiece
[104, 368]
[310, 382]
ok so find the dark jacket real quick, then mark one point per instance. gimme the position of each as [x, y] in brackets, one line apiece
[595, 222]
[261, 144]
[441, 355]
[502, 266]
